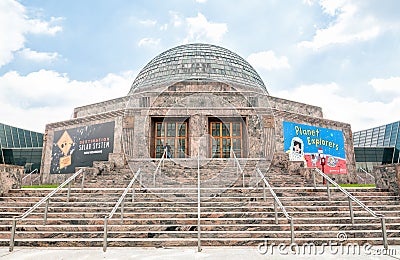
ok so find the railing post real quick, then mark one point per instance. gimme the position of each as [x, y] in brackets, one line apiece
[237, 168]
[12, 239]
[327, 190]
[69, 191]
[83, 179]
[276, 213]
[314, 181]
[198, 205]
[133, 194]
[351, 211]
[384, 234]
[122, 210]
[105, 234]
[243, 179]
[46, 210]
[154, 179]
[291, 231]
[264, 193]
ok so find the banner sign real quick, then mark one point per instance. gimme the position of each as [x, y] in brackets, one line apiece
[315, 146]
[79, 147]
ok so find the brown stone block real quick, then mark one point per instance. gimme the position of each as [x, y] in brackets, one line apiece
[268, 121]
[128, 122]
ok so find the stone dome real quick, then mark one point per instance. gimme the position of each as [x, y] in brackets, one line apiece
[197, 62]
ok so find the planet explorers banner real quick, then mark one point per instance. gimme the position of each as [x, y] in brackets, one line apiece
[309, 143]
[79, 147]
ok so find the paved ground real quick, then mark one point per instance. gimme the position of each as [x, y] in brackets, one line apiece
[247, 253]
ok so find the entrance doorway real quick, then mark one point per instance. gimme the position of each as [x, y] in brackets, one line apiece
[173, 132]
[226, 134]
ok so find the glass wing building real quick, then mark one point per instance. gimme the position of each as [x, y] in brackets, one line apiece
[377, 146]
[20, 147]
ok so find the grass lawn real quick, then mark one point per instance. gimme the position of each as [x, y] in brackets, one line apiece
[346, 185]
[41, 186]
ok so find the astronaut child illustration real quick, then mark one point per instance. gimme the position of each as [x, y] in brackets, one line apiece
[296, 152]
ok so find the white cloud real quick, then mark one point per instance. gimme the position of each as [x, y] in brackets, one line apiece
[41, 27]
[43, 97]
[268, 60]
[350, 25]
[15, 24]
[390, 85]
[148, 22]
[201, 1]
[164, 27]
[28, 54]
[146, 42]
[332, 7]
[176, 19]
[199, 29]
[360, 114]
[308, 2]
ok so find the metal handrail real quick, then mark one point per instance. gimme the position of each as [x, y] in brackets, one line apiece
[352, 198]
[238, 168]
[367, 173]
[33, 181]
[158, 166]
[277, 201]
[362, 179]
[120, 201]
[43, 200]
[198, 205]
[29, 174]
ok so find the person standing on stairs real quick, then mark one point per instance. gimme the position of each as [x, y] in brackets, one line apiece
[167, 148]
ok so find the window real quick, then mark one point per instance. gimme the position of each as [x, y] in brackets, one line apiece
[253, 101]
[174, 134]
[144, 102]
[224, 137]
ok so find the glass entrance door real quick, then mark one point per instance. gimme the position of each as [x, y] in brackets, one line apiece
[224, 136]
[175, 135]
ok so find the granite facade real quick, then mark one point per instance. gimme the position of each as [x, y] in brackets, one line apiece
[197, 103]
[10, 177]
[387, 177]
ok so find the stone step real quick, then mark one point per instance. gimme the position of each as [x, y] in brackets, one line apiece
[283, 226]
[205, 214]
[312, 206]
[166, 215]
[332, 235]
[211, 219]
[168, 242]
[254, 207]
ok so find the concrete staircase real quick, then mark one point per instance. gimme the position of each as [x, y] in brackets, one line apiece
[166, 214]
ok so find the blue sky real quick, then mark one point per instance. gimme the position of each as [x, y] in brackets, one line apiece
[342, 55]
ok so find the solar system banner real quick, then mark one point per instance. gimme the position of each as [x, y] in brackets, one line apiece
[310, 143]
[79, 147]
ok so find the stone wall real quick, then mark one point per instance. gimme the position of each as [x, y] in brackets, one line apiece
[10, 177]
[387, 177]
[101, 107]
[197, 102]
[295, 107]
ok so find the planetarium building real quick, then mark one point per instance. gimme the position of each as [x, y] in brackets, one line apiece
[205, 104]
